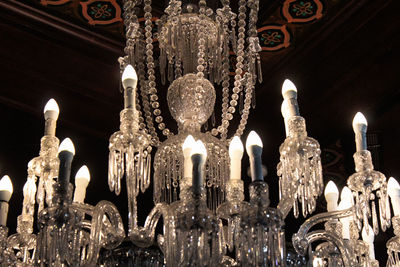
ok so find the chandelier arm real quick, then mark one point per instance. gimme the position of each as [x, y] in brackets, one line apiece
[144, 236]
[107, 230]
[322, 217]
[332, 238]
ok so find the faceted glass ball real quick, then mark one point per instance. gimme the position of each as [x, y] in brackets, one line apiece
[191, 100]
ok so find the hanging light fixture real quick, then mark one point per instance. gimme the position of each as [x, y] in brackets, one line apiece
[196, 172]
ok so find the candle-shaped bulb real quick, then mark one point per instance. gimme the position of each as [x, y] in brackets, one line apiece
[187, 147]
[67, 145]
[82, 179]
[359, 120]
[66, 153]
[289, 90]
[331, 195]
[6, 188]
[198, 157]
[393, 189]
[347, 196]
[368, 237]
[289, 93]
[346, 202]
[51, 110]
[129, 77]
[253, 139]
[254, 150]
[83, 174]
[235, 154]
[236, 148]
[360, 129]
[199, 148]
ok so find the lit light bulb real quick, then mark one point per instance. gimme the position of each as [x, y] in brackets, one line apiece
[236, 147]
[346, 202]
[360, 129]
[6, 188]
[187, 147]
[129, 77]
[331, 194]
[253, 139]
[199, 148]
[347, 195]
[359, 119]
[67, 145]
[235, 155]
[254, 147]
[83, 173]
[393, 189]
[188, 144]
[52, 107]
[289, 90]
[82, 179]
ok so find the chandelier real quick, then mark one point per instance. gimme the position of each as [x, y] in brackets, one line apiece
[200, 216]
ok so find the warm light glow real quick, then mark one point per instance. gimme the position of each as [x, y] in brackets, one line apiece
[236, 147]
[188, 143]
[5, 184]
[51, 106]
[67, 145]
[393, 186]
[287, 86]
[129, 73]
[199, 148]
[331, 188]
[83, 173]
[359, 118]
[253, 140]
[317, 262]
[284, 110]
[346, 195]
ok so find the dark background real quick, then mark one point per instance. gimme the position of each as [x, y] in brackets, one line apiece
[343, 63]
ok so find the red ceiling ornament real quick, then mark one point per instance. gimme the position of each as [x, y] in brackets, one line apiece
[54, 2]
[302, 11]
[274, 37]
[101, 12]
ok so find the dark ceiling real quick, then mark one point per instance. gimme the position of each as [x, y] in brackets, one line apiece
[344, 62]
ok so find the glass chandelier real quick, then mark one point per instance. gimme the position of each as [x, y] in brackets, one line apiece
[196, 172]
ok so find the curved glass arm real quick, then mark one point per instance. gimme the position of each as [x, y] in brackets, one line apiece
[107, 230]
[332, 238]
[144, 236]
[323, 217]
[302, 239]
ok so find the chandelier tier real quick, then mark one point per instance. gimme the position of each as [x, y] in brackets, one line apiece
[196, 173]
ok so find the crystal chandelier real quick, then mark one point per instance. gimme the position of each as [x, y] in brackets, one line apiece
[198, 190]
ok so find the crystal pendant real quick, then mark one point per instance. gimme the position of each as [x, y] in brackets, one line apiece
[299, 169]
[130, 157]
[369, 187]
